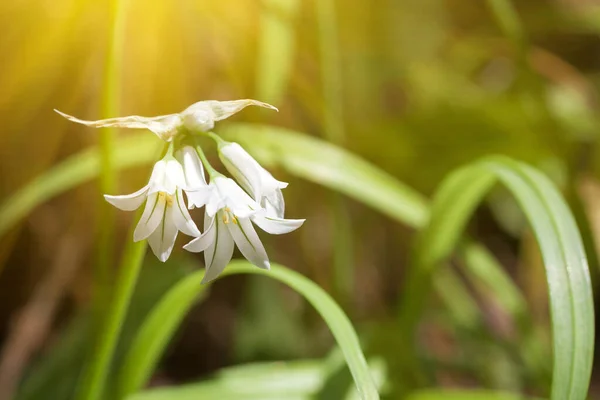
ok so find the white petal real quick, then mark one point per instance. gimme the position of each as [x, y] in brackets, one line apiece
[162, 240]
[240, 203]
[242, 167]
[192, 168]
[153, 214]
[274, 204]
[164, 126]
[248, 242]
[167, 176]
[215, 202]
[128, 202]
[200, 197]
[218, 254]
[206, 239]
[268, 182]
[180, 215]
[276, 226]
[157, 178]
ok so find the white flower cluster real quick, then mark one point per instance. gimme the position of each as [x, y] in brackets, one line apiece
[230, 209]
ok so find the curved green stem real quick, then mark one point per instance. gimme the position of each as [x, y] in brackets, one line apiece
[213, 173]
[109, 108]
[93, 379]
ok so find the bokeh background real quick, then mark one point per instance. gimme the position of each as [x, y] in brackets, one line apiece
[416, 87]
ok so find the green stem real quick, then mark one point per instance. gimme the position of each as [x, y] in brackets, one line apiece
[93, 380]
[213, 173]
[333, 127]
[170, 150]
[109, 108]
[218, 139]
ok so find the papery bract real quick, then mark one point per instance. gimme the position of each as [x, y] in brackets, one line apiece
[200, 116]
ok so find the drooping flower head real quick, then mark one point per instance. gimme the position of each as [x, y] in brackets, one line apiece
[253, 178]
[230, 210]
[228, 215]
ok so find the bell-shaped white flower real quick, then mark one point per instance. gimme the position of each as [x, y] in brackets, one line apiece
[256, 180]
[197, 190]
[165, 213]
[263, 187]
[227, 221]
[200, 116]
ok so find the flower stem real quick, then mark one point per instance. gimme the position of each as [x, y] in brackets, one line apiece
[209, 168]
[104, 251]
[333, 129]
[92, 382]
[170, 150]
[93, 379]
[216, 138]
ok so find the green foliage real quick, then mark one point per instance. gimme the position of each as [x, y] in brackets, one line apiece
[339, 170]
[290, 380]
[335, 318]
[560, 244]
[155, 333]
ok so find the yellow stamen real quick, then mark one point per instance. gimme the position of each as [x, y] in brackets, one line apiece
[167, 197]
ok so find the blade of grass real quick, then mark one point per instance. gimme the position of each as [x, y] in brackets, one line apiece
[560, 244]
[332, 167]
[276, 49]
[458, 394]
[101, 282]
[154, 335]
[333, 130]
[109, 108]
[134, 150]
[333, 315]
[301, 155]
[295, 380]
[93, 378]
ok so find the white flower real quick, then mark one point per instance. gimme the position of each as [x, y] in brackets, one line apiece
[197, 190]
[200, 116]
[254, 178]
[165, 213]
[227, 221]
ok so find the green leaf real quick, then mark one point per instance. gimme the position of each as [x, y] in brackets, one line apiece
[94, 377]
[276, 49]
[134, 150]
[336, 320]
[331, 166]
[333, 315]
[274, 380]
[156, 332]
[560, 244]
[456, 394]
[301, 155]
[51, 375]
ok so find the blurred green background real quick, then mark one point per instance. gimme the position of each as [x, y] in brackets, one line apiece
[416, 87]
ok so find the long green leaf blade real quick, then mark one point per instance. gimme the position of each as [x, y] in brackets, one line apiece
[154, 335]
[560, 245]
[336, 320]
[134, 150]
